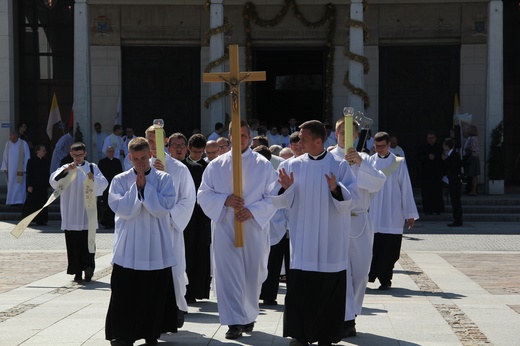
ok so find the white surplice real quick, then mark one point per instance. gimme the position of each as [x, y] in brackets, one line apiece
[16, 192]
[143, 237]
[185, 197]
[394, 203]
[369, 181]
[72, 204]
[319, 224]
[239, 272]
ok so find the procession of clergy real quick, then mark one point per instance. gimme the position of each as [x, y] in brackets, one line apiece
[336, 215]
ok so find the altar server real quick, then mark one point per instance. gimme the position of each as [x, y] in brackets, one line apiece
[239, 271]
[74, 218]
[390, 208]
[142, 303]
[320, 191]
[179, 215]
[369, 181]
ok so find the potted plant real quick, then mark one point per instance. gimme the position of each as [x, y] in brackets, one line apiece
[496, 161]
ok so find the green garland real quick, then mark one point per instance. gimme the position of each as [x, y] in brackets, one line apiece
[358, 58]
[212, 64]
[250, 14]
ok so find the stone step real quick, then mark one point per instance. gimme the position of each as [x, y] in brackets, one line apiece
[479, 209]
[473, 217]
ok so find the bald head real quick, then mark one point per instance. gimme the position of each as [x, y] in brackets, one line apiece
[211, 150]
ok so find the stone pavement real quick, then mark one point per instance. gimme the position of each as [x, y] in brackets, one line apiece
[451, 287]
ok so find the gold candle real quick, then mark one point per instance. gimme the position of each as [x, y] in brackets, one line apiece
[349, 127]
[159, 139]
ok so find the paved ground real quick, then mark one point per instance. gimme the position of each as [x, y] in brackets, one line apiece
[451, 287]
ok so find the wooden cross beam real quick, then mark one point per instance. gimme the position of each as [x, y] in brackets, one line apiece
[233, 78]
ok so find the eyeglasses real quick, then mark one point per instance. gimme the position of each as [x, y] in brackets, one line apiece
[223, 146]
[178, 146]
[79, 155]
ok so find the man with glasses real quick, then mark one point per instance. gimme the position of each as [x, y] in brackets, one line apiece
[197, 235]
[74, 219]
[224, 145]
[390, 208]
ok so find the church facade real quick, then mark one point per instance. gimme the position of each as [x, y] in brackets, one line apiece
[402, 63]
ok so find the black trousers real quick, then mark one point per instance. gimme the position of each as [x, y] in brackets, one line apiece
[274, 267]
[77, 252]
[385, 252]
[456, 202]
[315, 306]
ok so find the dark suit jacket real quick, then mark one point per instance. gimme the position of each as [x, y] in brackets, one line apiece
[452, 167]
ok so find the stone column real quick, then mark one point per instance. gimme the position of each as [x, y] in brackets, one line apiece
[217, 109]
[82, 87]
[7, 87]
[495, 68]
[356, 46]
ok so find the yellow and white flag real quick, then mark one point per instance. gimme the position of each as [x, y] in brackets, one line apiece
[54, 116]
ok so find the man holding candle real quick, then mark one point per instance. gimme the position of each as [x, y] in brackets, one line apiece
[180, 213]
[369, 181]
[239, 271]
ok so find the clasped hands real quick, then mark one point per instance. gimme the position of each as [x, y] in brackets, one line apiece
[286, 180]
[241, 214]
[140, 180]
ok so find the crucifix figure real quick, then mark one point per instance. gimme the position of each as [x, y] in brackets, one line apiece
[233, 78]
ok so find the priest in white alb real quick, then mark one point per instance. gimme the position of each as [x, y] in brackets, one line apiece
[14, 162]
[185, 197]
[369, 181]
[142, 303]
[238, 272]
[391, 208]
[320, 191]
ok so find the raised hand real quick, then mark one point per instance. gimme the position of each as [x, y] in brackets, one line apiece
[331, 181]
[284, 179]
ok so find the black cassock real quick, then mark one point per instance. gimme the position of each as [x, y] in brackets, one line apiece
[197, 240]
[431, 178]
[109, 168]
[38, 177]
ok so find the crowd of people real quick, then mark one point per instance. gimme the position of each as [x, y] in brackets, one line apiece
[327, 217]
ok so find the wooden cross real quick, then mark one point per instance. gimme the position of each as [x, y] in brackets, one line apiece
[233, 78]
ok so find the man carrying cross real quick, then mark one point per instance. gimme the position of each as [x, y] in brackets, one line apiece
[239, 271]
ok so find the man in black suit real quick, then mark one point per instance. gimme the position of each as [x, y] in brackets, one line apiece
[452, 164]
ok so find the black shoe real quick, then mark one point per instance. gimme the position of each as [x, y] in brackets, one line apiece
[248, 328]
[234, 332]
[120, 343]
[78, 278]
[180, 318]
[349, 332]
[349, 328]
[295, 342]
[455, 224]
[191, 300]
[151, 341]
[385, 287]
[270, 302]
[89, 272]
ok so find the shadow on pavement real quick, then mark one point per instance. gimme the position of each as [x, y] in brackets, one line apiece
[406, 293]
